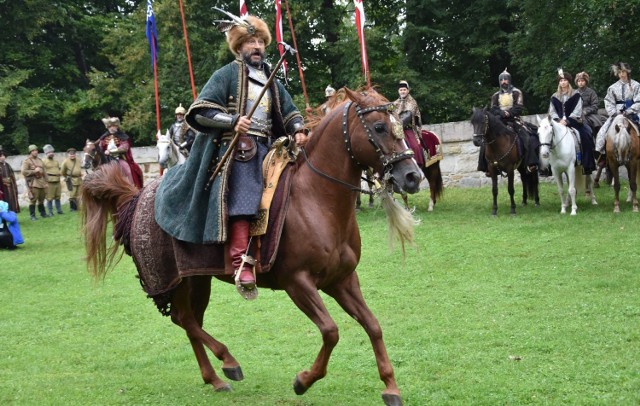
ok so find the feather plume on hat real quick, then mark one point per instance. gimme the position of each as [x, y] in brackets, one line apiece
[238, 30]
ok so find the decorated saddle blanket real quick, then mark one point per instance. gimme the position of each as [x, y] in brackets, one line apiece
[432, 147]
[163, 261]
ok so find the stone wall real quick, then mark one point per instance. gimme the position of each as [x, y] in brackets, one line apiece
[458, 166]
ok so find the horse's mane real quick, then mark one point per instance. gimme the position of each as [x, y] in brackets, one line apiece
[477, 117]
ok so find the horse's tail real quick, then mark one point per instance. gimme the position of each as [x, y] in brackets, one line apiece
[103, 193]
[531, 182]
[434, 176]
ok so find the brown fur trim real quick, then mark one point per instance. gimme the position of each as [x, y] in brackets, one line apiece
[238, 35]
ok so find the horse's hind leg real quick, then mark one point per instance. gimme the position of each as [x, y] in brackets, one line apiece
[348, 294]
[187, 311]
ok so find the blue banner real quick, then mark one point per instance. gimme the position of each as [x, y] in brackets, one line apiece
[152, 33]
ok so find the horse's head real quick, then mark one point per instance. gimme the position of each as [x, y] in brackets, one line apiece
[89, 154]
[545, 134]
[480, 123]
[163, 145]
[374, 139]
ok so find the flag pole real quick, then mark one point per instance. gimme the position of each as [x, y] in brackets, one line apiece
[186, 42]
[155, 83]
[295, 45]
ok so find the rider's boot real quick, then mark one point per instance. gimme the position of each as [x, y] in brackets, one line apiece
[58, 207]
[42, 211]
[73, 206]
[32, 212]
[50, 207]
[241, 262]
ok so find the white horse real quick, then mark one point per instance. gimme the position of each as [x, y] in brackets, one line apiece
[169, 154]
[558, 149]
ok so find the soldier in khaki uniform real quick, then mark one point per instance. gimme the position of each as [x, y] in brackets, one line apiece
[36, 179]
[54, 191]
[72, 169]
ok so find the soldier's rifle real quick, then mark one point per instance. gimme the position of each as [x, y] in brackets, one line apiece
[236, 134]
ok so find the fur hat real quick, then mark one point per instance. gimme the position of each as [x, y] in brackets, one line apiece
[32, 147]
[403, 83]
[109, 121]
[253, 27]
[582, 75]
[48, 148]
[563, 75]
[620, 66]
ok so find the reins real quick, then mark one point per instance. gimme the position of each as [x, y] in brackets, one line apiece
[484, 140]
[387, 163]
[551, 145]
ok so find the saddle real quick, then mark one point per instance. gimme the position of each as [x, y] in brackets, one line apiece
[432, 147]
[160, 274]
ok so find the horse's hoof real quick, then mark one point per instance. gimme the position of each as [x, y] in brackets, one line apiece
[391, 400]
[235, 374]
[298, 387]
[224, 388]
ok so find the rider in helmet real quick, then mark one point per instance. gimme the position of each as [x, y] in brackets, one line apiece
[507, 103]
[180, 132]
[328, 93]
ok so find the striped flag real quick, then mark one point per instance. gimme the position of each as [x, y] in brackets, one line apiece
[243, 8]
[279, 36]
[152, 33]
[360, 20]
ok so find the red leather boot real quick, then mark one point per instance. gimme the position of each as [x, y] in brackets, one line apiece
[238, 243]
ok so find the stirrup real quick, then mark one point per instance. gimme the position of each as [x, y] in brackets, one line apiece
[252, 293]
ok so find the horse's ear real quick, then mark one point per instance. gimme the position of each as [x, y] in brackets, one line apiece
[351, 94]
[158, 135]
[539, 118]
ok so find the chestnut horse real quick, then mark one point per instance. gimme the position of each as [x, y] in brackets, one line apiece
[360, 133]
[503, 156]
[623, 149]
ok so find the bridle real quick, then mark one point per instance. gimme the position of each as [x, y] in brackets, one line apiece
[173, 152]
[483, 137]
[388, 160]
[551, 144]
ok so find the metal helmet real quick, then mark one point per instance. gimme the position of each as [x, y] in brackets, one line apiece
[180, 110]
[329, 91]
[48, 148]
[504, 75]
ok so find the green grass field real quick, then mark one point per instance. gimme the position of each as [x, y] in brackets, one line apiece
[533, 309]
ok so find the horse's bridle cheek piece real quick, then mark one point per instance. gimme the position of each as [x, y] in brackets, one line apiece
[387, 161]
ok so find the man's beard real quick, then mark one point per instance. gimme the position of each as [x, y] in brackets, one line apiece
[505, 86]
[246, 56]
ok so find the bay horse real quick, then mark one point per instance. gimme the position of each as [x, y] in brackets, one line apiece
[558, 149]
[432, 146]
[623, 149]
[320, 244]
[503, 157]
[169, 154]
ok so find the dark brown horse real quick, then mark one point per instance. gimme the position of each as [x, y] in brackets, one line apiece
[623, 149]
[503, 157]
[319, 247]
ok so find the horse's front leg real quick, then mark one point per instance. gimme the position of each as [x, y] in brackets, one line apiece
[615, 173]
[571, 192]
[304, 294]
[494, 191]
[512, 191]
[348, 294]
